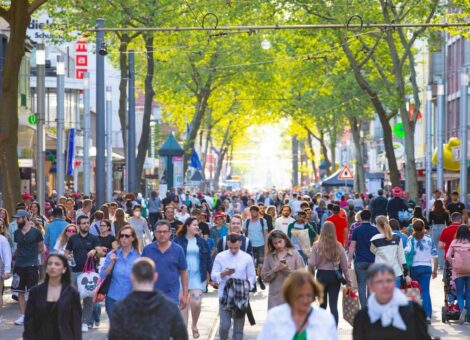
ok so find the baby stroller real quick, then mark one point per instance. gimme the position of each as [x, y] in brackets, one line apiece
[450, 310]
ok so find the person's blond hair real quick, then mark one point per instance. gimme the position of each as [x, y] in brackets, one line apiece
[383, 225]
[296, 280]
[327, 245]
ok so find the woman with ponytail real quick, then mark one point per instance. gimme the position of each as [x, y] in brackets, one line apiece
[388, 249]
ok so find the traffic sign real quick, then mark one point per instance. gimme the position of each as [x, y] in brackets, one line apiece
[345, 174]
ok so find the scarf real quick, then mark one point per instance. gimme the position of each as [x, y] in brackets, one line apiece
[388, 313]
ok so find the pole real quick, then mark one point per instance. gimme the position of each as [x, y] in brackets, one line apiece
[109, 145]
[86, 134]
[100, 162]
[429, 148]
[60, 159]
[463, 134]
[295, 161]
[41, 112]
[440, 134]
[132, 176]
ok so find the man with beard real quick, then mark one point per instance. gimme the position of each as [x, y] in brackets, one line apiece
[174, 223]
[29, 243]
[82, 246]
[268, 218]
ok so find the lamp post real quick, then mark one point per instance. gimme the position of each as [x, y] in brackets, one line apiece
[429, 148]
[440, 133]
[131, 166]
[60, 160]
[86, 134]
[41, 112]
[100, 161]
[463, 134]
[109, 145]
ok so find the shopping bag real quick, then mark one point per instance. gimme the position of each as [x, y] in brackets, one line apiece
[102, 287]
[353, 277]
[412, 292]
[350, 305]
[88, 279]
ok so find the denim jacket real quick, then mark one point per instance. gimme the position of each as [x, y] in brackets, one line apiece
[205, 261]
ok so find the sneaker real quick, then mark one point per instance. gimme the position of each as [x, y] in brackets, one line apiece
[84, 328]
[254, 289]
[428, 320]
[20, 320]
[463, 314]
[97, 324]
[261, 284]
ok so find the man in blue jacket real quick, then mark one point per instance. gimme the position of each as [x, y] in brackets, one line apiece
[54, 229]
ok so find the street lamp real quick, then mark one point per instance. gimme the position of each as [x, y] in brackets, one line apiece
[109, 145]
[41, 111]
[60, 159]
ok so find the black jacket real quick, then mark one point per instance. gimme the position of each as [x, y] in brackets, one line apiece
[37, 323]
[146, 316]
[413, 316]
[378, 206]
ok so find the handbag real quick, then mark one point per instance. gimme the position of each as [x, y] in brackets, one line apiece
[88, 279]
[412, 292]
[352, 275]
[351, 305]
[339, 274]
[409, 256]
[102, 288]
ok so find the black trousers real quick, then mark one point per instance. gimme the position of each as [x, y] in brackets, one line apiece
[331, 287]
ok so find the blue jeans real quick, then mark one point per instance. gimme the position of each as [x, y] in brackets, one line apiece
[109, 304]
[226, 323]
[304, 257]
[361, 274]
[436, 230]
[462, 285]
[95, 315]
[398, 281]
[422, 274]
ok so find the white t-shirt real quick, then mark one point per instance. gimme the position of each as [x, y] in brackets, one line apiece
[282, 223]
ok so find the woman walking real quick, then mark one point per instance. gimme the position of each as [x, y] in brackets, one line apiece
[388, 248]
[422, 253]
[53, 311]
[199, 262]
[438, 219]
[281, 260]
[5, 263]
[120, 220]
[388, 314]
[328, 258]
[64, 237]
[118, 264]
[459, 255]
[297, 319]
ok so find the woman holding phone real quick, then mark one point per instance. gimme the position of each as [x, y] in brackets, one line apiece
[281, 260]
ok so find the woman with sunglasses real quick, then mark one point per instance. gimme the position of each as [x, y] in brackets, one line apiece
[64, 237]
[53, 310]
[118, 264]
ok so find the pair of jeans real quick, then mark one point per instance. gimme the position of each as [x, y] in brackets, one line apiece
[109, 304]
[95, 314]
[436, 231]
[226, 323]
[361, 274]
[87, 303]
[462, 286]
[304, 257]
[398, 281]
[153, 218]
[331, 287]
[422, 274]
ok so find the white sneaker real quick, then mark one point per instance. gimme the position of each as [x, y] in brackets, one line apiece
[463, 314]
[20, 320]
[84, 328]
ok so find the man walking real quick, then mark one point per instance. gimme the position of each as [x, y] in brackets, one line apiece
[360, 248]
[83, 246]
[154, 204]
[378, 206]
[282, 222]
[170, 264]
[236, 228]
[29, 243]
[232, 264]
[268, 218]
[256, 230]
[54, 229]
[341, 225]
[146, 313]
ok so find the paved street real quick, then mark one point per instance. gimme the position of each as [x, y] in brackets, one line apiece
[208, 323]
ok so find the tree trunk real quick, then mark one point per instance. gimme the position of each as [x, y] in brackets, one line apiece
[312, 158]
[218, 168]
[149, 95]
[324, 151]
[124, 41]
[206, 150]
[411, 185]
[359, 178]
[18, 19]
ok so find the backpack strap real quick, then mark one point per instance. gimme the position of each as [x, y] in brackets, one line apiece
[247, 224]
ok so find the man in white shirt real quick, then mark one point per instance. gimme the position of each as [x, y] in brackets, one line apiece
[282, 222]
[232, 264]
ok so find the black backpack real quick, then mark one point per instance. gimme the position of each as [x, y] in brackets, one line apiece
[247, 224]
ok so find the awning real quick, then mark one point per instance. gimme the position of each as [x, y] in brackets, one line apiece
[333, 181]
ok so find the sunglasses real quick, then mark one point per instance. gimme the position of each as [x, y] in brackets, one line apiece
[103, 225]
[125, 236]
[71, 230]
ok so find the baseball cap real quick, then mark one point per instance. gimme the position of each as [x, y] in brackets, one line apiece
[26, 196]
[397, 192]
[21, 213]
[219, 214]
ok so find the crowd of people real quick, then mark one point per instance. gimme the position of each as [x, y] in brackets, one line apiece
[157, 257]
